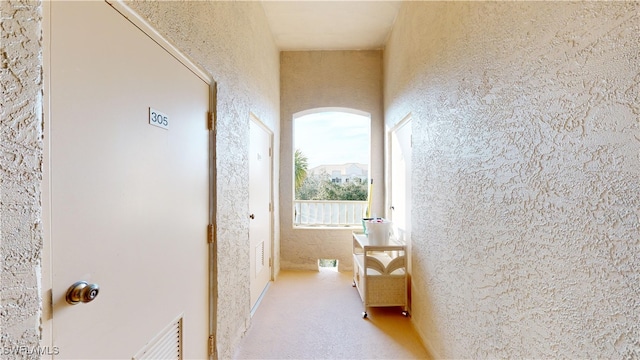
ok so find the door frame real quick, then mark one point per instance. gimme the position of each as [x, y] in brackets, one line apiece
[389, 158]
[47, 269]
[255, 119]
[407, 120]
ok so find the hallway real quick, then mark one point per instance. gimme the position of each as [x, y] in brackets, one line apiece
[525, 176]
[317, 315]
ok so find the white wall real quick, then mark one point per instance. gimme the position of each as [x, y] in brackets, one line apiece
[20, 174]
[233, 42]
[317, 79]
[526, 178]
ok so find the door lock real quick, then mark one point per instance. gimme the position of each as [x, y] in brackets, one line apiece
[252, 216]
[82, 292]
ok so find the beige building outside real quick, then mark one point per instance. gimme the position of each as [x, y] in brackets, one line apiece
[344, 172]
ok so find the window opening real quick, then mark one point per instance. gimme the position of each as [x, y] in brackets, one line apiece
[331, 168]
[328, 264]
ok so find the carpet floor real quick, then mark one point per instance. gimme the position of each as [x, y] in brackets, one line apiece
[318, 315]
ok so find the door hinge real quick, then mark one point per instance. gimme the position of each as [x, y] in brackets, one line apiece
[210, 233]
[212, 345]
[270, 262]
[210, 121]
[270, 155]
[270, 207]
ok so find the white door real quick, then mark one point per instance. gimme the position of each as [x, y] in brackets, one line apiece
[401, 182]
[260, 208]
[128, 200]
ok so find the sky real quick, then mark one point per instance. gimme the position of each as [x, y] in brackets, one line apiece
[330, 138]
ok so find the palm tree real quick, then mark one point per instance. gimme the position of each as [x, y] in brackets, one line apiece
[301, 167]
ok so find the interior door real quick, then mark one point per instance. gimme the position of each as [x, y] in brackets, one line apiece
[260, 165]
[401, 182]
[128, 185]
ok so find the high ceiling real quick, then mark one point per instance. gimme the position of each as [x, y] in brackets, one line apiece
[330, 25]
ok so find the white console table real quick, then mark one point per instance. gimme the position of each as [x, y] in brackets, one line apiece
[379, 273]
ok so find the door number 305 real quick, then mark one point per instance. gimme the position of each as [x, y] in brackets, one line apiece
[158, 119]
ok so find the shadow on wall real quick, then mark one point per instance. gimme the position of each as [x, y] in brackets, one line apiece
[424, 313]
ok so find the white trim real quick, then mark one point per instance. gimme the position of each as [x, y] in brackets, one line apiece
[401, 123]
[46, 281]
[331, 109]
[152, 33]
[253, 117]
[257, 304]
[387, 153]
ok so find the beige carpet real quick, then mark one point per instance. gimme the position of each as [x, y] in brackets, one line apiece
[317, 315]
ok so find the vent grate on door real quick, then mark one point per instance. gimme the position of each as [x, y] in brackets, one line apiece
[166, 345]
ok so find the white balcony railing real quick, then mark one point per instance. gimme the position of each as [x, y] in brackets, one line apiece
[328, 213]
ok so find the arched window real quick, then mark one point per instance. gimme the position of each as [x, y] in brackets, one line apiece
[331, 166]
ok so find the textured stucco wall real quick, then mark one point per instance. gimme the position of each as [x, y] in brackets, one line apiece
[317, 79]
[233, 42]
[20, 176]
[526, 177]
